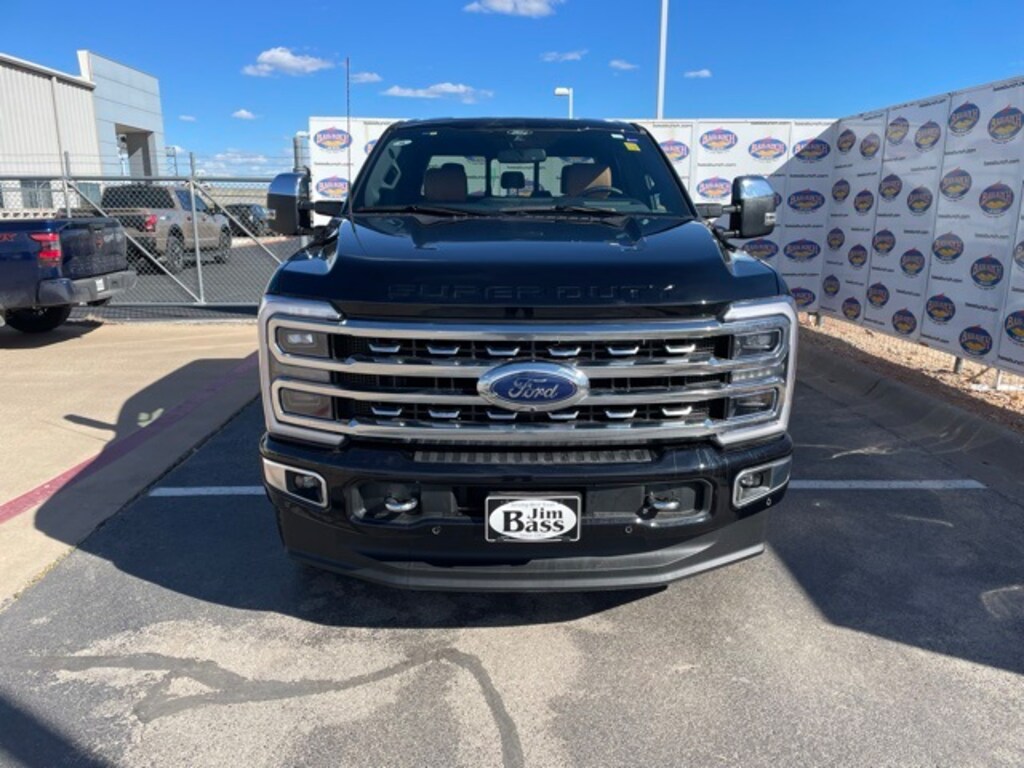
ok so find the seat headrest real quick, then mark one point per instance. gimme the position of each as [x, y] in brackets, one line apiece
[446, 184]
[513, 180]
[580, 176]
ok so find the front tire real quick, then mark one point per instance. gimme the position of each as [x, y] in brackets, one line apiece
[38, 319]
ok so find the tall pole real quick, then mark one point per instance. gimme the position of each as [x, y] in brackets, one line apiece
[571, 113]
[348, 117]
[661, 59]
[195, 225]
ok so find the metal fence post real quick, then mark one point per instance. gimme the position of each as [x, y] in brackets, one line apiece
[195, 225]
[66, 168]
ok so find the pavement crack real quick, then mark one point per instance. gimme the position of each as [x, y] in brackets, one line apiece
[511, 746]
[227, 687]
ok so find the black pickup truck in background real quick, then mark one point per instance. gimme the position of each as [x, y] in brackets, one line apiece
[47, 266]
[519, 357]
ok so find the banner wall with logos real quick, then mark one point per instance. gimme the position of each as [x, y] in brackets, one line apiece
[907, 219]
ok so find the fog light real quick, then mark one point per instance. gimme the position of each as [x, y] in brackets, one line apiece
[752, 480]
[311, 404]
[751, 405]
[305, 343]
[305, 481]
[760, 343]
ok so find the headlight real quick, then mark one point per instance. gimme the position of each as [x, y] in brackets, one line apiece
[751, 405]
[311, 404]
[304, 343]
[758, 343]
[763, 352]
[293, 351]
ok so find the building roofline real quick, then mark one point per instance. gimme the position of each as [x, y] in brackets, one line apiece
[14, 61]
[86, 51]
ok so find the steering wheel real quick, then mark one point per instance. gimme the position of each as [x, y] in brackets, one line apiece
[606, 188]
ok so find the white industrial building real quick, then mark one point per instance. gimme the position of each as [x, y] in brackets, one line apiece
[107, 120]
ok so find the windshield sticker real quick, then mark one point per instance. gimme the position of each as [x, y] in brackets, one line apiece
[632, 146]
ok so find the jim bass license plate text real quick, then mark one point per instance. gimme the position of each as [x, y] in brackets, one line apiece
[533, 518]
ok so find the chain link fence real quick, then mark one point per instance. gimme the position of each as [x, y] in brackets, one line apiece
[193, 240]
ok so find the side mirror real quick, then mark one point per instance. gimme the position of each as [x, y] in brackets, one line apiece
[288, 207]
[753, 207]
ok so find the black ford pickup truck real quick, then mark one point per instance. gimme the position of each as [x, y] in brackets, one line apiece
[519, 358]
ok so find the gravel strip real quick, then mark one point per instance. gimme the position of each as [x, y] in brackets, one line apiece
[923, 368]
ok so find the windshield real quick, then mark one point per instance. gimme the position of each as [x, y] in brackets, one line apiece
[507, 170]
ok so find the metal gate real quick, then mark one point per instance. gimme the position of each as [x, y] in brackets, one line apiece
[194, 240]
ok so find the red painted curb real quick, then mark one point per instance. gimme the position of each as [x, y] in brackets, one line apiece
[115, 450]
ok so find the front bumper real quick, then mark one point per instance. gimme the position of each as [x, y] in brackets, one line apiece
[442, 545]
[64, 291]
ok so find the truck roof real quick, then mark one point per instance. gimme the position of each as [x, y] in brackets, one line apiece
[537, 123]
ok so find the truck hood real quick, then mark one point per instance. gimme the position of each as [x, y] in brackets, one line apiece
[523, 267]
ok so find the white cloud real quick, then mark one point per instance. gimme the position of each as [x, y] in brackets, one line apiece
[622, 64]
[243, 114]
[187, 118]
[239, 162]
[558, 57]
[358, 78]
[281, 59]
[464, 93]
[532, 8]
[698, 73]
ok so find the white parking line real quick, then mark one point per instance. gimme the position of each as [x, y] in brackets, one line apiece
[885, 485]
[210, 490]
[795, 485]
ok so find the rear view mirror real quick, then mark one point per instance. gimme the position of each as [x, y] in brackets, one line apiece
[753, 207]
[288, 208]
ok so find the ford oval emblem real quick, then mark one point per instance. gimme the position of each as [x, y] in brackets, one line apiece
[533, 386]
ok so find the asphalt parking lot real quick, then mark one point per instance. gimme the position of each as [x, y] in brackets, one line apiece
[883, 627]
[240, 281]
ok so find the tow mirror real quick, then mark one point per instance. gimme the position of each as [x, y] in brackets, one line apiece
[752, 211]
[288, 206]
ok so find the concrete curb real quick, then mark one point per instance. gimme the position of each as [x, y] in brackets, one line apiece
[988, 452]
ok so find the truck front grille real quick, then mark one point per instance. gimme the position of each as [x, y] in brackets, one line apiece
[417, 382]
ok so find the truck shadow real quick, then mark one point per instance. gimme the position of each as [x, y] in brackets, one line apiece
[74, 329]
[226, 551]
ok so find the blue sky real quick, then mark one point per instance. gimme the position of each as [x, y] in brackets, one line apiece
[244, 76]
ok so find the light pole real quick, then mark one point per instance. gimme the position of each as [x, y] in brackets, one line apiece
[563, 91]
[661, 59]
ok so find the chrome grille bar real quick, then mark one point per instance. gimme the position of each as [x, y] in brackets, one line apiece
[415, 381]
[614, 400]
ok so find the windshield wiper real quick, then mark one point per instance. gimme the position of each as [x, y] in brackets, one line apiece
[425, 210]
[582, 209]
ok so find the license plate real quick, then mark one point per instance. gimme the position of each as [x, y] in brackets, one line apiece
[101, 284]
[532, 518]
